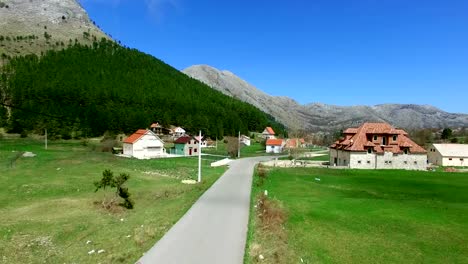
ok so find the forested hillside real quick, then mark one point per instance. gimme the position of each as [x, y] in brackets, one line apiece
[86, 91]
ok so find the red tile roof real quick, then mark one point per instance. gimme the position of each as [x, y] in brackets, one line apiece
[183, 140]
[155, 125]
[274, 142]
[270, 130]
[361, 138]
[135, 136]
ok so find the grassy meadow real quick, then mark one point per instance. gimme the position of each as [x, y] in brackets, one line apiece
[49, 212]
[314, 215]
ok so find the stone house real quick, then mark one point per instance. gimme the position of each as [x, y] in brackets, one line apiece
[377, 146]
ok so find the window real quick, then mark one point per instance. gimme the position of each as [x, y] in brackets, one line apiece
[384, 141]
[394, 137]
[405, 162]
[359, 162]
[389, 162]
[195, 150]
[369, 150]
[368, 162]
[386, 162]
[415, 162]
[405, 151]
[461, 159]
[375, 137]
[450, 158]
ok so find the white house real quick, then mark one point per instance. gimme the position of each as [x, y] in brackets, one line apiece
[245, 140]
[448, 154]
[144, 144]
[274, 145]
[203, 142]
[377, 146]
[268, 133]
[178, 132]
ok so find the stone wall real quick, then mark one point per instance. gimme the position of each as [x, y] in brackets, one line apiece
[388, 160]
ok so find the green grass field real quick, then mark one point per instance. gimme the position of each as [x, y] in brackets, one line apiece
[362, 216]
[49, 210]
[256, 149]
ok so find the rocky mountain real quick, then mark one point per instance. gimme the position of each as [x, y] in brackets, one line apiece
[323, 117]
[32, 26]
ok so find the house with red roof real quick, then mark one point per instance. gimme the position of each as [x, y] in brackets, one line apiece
[268, 133]
[158, 129]
[186, 145]
[377, 146]
[274, 145]
[293, 143]
[144, 144]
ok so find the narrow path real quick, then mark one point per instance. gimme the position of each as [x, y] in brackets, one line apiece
[214, 230]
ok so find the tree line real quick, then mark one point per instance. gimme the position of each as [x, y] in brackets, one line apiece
[87, 90]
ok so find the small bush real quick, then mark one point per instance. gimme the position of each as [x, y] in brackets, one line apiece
[108, 180]
[107, 145]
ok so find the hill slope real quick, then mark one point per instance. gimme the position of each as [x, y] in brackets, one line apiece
[32, 26]
[86, 90]
[321, 116]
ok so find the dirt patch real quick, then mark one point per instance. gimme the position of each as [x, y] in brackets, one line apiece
[450, 169]
[271, 240]
[110, 205]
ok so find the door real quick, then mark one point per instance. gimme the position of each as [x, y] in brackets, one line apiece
[335, 161]
[190, 151]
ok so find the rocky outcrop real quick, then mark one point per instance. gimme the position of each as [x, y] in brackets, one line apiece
[32, 26]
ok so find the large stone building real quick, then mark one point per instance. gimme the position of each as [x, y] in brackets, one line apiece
[448, 154]
[377, 146]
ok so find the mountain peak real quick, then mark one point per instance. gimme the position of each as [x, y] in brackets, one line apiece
[319, 116]
[37, 25]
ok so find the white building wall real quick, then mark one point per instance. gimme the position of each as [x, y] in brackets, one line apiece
[434, 157]
[274, 149]
[128, 149]
[388, 160]
[454, 161]
[148, 146]
[362, 160]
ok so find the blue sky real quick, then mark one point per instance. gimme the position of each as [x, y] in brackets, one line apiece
[335, 52]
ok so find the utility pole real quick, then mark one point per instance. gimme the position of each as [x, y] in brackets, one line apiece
[238, 146]
[199, 156]
[45, 138]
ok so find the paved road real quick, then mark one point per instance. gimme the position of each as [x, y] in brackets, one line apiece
[214, 230]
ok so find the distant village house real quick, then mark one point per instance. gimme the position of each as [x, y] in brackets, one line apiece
[144, 144]
[178, 132]
[158, 129]
[245, 140]
[186, 145]
[268, 133]
[377, 146]
[274, 145]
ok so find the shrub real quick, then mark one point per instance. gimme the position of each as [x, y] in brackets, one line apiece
[108, 180]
